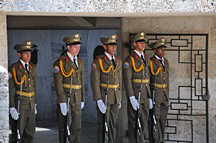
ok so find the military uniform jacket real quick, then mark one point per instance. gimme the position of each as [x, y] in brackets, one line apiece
[136, 76]
[22, 84]
[159, 75]
[105, 79]
[69, 79]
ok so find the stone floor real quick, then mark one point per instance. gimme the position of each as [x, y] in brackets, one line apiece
[50, 134]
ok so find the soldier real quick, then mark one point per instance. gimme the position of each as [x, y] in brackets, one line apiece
[136, 81]
[159, 81]
[22, 84]
[69, 84]
[107, 89]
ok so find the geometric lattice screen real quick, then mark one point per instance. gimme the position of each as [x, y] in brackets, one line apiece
[188, 111]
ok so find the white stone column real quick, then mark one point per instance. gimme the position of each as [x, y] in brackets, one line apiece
[4, 121]
[4, 93]
[3, 40]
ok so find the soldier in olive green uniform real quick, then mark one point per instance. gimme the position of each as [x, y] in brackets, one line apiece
[69, 83]
[22, 84]
[136, 81]
[107, 88]
[159, 69]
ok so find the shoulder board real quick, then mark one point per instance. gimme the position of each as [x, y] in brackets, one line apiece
[146, 56]
[135, 56]
[153, 59]
[166, 60]
[118, 59]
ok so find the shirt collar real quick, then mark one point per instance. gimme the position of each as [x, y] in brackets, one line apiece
[71, 57]
[157, 57]
[109, 56]
[23, 63]
[139, 53]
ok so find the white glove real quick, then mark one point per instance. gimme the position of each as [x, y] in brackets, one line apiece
[63, 107]
[119, 105]
[35, 108]
[150, 103]
[82, 104]
[14, 113]
[101, 106]
[134, 103]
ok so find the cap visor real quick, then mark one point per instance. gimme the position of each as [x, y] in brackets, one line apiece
[25, 50]
[76, 43]
[162, 46]
[141, 40]
[111, 44]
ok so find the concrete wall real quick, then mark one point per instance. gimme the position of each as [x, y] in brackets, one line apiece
[180, 74]
[111, 7]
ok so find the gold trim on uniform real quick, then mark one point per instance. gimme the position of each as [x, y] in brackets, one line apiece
[157, 85]
[15, 78]
[140, 80]
[152, 68]
[134, 66]
[111, 67]
[109, 85]
[27, 94]
[72, 86]
[63, 72]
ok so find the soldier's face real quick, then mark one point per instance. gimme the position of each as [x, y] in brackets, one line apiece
[25, 56]
[74, 49]
[160, 52]
[111, 49]
[139, 46]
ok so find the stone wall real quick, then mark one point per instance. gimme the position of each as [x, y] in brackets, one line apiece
[111, 7]
[179, 75]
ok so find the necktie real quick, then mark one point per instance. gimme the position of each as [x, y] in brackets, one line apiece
[143, 59]
[162, 62]
[113, 62]
[74, 60]
[26, 68]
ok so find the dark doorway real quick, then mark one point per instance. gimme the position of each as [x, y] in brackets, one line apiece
[48, 33]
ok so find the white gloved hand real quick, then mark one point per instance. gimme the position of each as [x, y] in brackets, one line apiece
[35, 108]
[119, 105]
[63, 107]
[101, 106]
[82, 104]
[14, 113]
[134, 103]
[150, 103]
